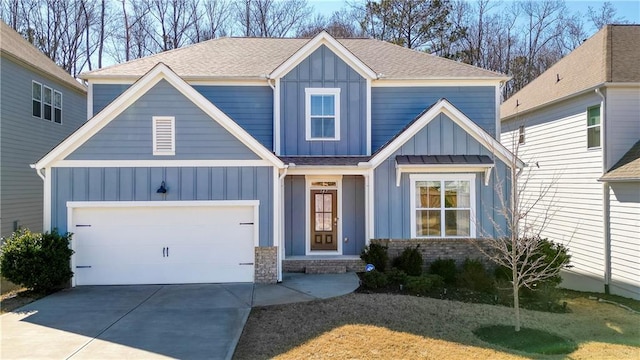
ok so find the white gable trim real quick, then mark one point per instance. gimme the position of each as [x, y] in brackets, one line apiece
[312, 45]
[133, 93]
[445, 107]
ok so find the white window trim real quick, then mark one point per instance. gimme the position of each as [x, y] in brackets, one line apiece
[307, 105]
[50, 104]
[443, 177]
[34, 99]
[599, 125]
[56, 107]
[173, 135]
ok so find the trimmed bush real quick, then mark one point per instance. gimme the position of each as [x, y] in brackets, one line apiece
[446, 268]
[397, 277]
[374, 279]
[474, 276]
[377, 255]
[41, 262]
[410, 261]
[422, 285]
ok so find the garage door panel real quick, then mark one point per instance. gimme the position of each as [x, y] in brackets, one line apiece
[165, 244]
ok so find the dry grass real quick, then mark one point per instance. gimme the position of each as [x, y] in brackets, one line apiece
[383, 326]
[16, 298]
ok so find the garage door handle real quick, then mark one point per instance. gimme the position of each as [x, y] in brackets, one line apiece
[246, 223]
[164, 249]
[245, 263]
[167, 251]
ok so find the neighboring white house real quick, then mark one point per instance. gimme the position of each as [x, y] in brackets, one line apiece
[578, 127]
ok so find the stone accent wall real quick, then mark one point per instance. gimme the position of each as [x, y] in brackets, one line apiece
[432, 249]
[266, 265]
[351, 265]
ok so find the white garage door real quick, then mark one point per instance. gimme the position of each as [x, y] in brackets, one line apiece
[163, 244]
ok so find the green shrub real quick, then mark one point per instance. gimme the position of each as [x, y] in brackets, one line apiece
[474, 276]
[445, 268]
[554, 254]
[422, 285]
[40, 262]
[374, 279]
[377, 255]
[397, 277]
[410, 261]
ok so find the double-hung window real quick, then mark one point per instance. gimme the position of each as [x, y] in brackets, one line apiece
[36, 99]
[57, 106]
[322, 113]
[47, 100]
[443, 205]
[593, 127]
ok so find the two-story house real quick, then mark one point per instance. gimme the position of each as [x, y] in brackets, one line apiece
[578, 122]
[40, 105]
[231, 159]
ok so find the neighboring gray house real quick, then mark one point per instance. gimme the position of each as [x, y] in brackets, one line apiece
[578, 122]
[40, 105]
[236, 159]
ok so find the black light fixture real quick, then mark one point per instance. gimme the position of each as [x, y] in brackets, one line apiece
[162, 189]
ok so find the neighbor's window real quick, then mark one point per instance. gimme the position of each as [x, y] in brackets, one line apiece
[443, 206]
[57, 105]
[593, 127]
[521, 135]
[322, 114]
[36, 98]
[47, 97]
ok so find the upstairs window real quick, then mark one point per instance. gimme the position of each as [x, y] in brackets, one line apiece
[36, 99]
[47, 97]
[164, 135]
[57, 106]
[322, 113]
[521, 135]
[593, 127]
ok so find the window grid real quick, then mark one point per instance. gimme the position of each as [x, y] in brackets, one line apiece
[36, 99]
[57, 105]
[593, 127]
[322, 113]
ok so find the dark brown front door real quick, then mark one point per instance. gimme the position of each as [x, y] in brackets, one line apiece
[324, 220]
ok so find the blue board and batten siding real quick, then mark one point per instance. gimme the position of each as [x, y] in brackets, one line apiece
[353, 215]
[130, 135]
[183, 183]
[323, 69]
[440, 137]
[393, 108]
[251, 107]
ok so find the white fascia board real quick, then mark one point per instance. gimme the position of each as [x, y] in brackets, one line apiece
[326, 170]
[450, 168]
[445, 107]
[436, 82]
[133, 93]
[159, 163]
[323, 38]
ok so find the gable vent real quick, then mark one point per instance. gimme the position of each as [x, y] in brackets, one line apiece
[164, 137]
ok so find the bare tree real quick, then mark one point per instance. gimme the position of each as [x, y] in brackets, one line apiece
[215, 21]
[339, 25]
[607, 14]
[272, 18]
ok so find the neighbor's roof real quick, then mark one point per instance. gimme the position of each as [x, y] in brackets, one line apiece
[16, 46]
[253, 58]
[627, 169]
[611, 55]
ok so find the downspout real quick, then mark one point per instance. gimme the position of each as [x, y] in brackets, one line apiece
[606, 215]
[281, 221]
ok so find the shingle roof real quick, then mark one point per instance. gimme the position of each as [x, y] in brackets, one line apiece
[16, 46]
[324, 160]
[611, 55]
[252, 58]
[627, 168]
[443, 160]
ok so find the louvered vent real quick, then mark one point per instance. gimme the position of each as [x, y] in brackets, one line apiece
[164, 140]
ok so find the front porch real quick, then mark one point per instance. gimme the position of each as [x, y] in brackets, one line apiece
[322, 264]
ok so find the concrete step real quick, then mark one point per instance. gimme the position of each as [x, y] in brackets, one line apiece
[325, 269]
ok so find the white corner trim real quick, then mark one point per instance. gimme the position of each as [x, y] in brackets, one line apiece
[368, 116]
[89, 100]
[413, 178]
[440, 169]
[323, 38]
[133, 93]
[445, 107]
[308, 93]
[276, 118]
[46, 224]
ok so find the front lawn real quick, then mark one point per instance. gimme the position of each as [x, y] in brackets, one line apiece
[385, 326]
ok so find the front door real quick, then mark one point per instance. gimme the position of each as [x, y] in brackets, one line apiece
[324, 220]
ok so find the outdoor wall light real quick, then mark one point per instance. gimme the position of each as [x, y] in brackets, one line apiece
[162, 189]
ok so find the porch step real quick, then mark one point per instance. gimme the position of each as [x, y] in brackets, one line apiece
[325, 269]
[327, 266]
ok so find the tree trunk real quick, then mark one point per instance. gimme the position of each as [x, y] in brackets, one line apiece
[516, 300]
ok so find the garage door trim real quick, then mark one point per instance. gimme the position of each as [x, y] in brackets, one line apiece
[72, 205]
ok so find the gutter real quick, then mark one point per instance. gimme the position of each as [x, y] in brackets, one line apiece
[606, 212]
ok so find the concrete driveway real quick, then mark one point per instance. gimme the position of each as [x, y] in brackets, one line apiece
[202, 321]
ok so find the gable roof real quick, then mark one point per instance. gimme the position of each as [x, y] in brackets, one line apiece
[611, 55]
[133, 93]
[445, 107]
[627, 168]
[255, 58]
[15, 46]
